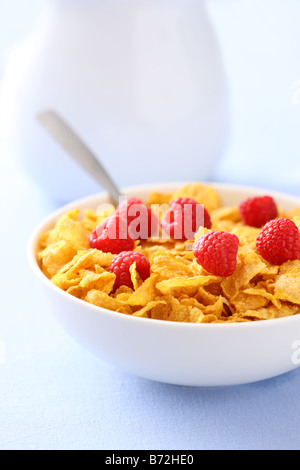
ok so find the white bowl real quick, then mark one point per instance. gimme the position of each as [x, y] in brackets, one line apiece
[171, 352]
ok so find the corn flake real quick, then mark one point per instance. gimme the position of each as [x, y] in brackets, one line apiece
[204, 194]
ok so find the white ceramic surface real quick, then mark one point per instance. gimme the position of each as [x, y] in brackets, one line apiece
[176, 353]
[141, 81]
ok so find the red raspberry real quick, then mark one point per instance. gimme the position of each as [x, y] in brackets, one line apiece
[123, 209]
[120, 267]
[217, 252]
[142, 222]
[111, 236]
[184, 218]
[279, 241]
[257, 211]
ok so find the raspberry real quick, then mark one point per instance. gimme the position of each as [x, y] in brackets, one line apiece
[184, 218]
[123, 210]
[142, 222]
[217, 252]
[111, 236]
[120, 267]
[257, 211]
[279, 241]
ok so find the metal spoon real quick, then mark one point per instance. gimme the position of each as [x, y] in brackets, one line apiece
[77, 149]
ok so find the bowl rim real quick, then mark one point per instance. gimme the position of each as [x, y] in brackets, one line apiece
[46, 222]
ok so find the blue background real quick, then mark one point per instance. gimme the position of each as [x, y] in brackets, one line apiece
[54, 394]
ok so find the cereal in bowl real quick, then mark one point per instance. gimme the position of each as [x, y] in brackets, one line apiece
[182, 257]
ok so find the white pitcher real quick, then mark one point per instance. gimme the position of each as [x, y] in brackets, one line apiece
[141, 81]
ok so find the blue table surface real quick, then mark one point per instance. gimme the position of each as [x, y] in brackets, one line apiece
[56, 395]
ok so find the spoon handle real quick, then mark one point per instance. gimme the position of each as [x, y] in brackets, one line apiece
[75, 147]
